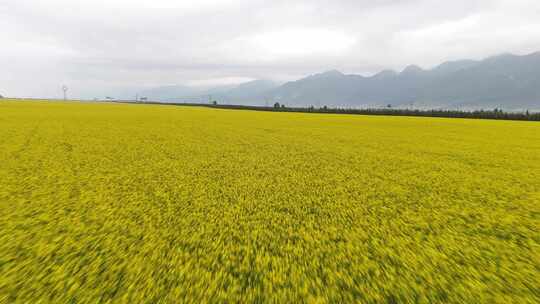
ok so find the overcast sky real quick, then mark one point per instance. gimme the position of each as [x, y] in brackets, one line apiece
[101, 46]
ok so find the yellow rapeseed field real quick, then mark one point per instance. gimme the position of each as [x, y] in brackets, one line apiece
[118, 203]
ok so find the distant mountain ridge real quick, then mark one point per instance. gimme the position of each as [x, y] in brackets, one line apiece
[507, 81]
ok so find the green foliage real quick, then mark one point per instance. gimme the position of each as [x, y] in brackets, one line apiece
[389, 111]
[121, 203]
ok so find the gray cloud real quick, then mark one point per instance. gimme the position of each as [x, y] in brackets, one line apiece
[101, 46]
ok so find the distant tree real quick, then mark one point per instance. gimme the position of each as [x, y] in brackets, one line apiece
[389, 106]
[527, 113]
[282, 106]
[325, 108]
[214, 103]
[276, 105]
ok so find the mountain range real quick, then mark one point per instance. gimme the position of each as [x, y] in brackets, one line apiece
[507, 81]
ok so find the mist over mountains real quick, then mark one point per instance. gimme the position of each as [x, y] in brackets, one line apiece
[252, 92]
[510, 82]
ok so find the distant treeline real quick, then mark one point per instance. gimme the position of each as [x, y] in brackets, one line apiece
[479, 114]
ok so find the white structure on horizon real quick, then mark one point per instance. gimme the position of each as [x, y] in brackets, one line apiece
[65, 89]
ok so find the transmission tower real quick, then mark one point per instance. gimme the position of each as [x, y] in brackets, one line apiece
[65, 89]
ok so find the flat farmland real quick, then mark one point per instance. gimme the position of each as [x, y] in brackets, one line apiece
[125, 203]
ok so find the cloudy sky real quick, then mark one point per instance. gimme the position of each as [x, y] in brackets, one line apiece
[101, 46]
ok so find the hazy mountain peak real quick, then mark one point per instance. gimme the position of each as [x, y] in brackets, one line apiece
[331, 73]
[257, 84]
[385, 74]
[535, 54]
[501, 57]
[453, 66]
[412, 69]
